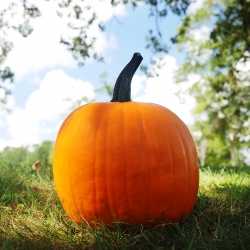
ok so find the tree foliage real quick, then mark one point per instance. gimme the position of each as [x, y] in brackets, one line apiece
[41, 152]
[24, 28]
[107, 88]
[83, 17]
[15, 155]
[23, 155]
[217, 40]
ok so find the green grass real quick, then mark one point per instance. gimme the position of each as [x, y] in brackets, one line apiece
[31, 216]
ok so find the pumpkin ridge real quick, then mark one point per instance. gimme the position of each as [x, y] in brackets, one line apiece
[67, 120]
[105, 168]
[83, 208]
[148, 166]
[125, 160]
[95, 166]
[82, 200]
[189, 168]
[187, 164]
[74, 197]
[156, 111]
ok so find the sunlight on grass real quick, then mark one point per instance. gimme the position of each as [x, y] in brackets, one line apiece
[213, 179]
[31, 216]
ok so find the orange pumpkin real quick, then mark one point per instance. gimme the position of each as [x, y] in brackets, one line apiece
[125, 161]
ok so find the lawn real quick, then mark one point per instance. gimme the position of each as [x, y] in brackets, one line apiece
[31, 216]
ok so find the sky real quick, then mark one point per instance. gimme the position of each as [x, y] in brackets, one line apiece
[48, 79]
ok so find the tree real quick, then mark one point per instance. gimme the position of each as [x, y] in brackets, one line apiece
[80, 45]
[24, 28]
[42, 152]
[107, 88]
[23, 155]
[222, 59]
[15, 155]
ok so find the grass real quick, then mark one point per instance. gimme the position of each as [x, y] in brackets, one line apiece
[31, 216]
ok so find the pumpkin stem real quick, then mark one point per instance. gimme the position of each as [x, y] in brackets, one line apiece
[122, 88]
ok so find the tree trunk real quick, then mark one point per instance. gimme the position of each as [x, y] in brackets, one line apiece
[233, 154]
[203, 150]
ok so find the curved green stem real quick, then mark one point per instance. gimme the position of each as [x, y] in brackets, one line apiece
[122, 90]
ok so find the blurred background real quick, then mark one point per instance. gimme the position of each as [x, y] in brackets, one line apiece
[56, 55]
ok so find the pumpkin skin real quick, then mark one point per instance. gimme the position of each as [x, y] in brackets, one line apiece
[125, 161]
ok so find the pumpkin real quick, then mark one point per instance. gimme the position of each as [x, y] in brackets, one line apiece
[125, 161]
